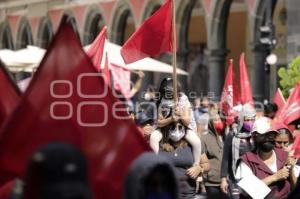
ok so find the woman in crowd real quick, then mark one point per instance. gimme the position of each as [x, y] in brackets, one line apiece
[151, 177]
[284, 139]
[237, 143]
[170, 114]
[59, 171]
[266, 162]
[212, 145]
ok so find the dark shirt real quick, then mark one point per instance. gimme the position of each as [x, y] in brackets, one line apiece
[183, 159]
[245, 146]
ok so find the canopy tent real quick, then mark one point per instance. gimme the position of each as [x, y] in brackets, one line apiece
[29, 58]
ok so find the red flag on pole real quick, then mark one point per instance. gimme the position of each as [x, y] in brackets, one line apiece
[121, 77]
[9, 96]
[68, 101]
[152, 38]
[230, 95]
[106, 71]
[296, 147]
[291, 111]
[279, 99]
[95, 52]
[246, 91]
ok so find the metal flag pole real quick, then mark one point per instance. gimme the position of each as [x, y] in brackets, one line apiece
[174, 45]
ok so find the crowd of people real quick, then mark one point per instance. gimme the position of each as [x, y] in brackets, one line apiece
[252, 157]
[196, 153]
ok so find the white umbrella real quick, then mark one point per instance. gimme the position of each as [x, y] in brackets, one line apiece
[146, 64]
[29, 58]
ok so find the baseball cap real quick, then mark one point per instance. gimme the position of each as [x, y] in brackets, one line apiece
[262, 126]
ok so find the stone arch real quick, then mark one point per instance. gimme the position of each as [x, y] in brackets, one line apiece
[119, 22]
[72, 21]
[6, 40]
[217, 27]
[187, 44]
[149, 8]
[24, 36]
[45, 33]
[94, 22]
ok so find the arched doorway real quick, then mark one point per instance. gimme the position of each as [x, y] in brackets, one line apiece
[6, 41]
[123, 24]
[24, 36]
[227, 33]
[72, 20]
[192, 44]
[45, 33]
[93, 25]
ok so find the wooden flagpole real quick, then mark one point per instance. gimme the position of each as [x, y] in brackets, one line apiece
[174, 45]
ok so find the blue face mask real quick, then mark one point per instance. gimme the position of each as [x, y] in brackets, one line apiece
[158, 195]
[204, 110]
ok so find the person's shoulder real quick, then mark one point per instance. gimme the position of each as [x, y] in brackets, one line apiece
[250, 155]
[206, 137]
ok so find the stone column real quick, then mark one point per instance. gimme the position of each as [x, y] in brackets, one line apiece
[216, 71]
[259, 75]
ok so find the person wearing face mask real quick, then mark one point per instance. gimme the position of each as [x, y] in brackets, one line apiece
[170, 114]
[201, 115]
[237, 143]
[212, 146]
[284, 140]
[266, 162]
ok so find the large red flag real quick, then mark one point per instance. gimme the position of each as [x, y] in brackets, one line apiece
[9, 96]
[230, 95]
[68, 101]
[121, 77]
[106, 72]
[152, 38]
[95, 51]
[246, 91]
[291, 111]
[279, 99]
[296, 147]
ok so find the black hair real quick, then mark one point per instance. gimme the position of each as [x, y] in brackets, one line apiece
[167, 83]
[270, 108]
[284, 131]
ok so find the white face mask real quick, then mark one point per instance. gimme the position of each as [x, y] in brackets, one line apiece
[147, 96]
[177, 134]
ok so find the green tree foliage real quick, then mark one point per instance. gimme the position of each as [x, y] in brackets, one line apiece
[289, 76]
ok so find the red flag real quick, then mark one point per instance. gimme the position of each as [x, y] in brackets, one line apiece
[67, 101]
[296, 147]
[152, 38]
[246, 91]
[6, 190]
[95, 52]
[106, 71]
[291, 111]
[9, 96]
[121, 81]
[279, 99]
[230, 95]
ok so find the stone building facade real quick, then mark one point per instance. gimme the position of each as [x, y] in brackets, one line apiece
[210, 32]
